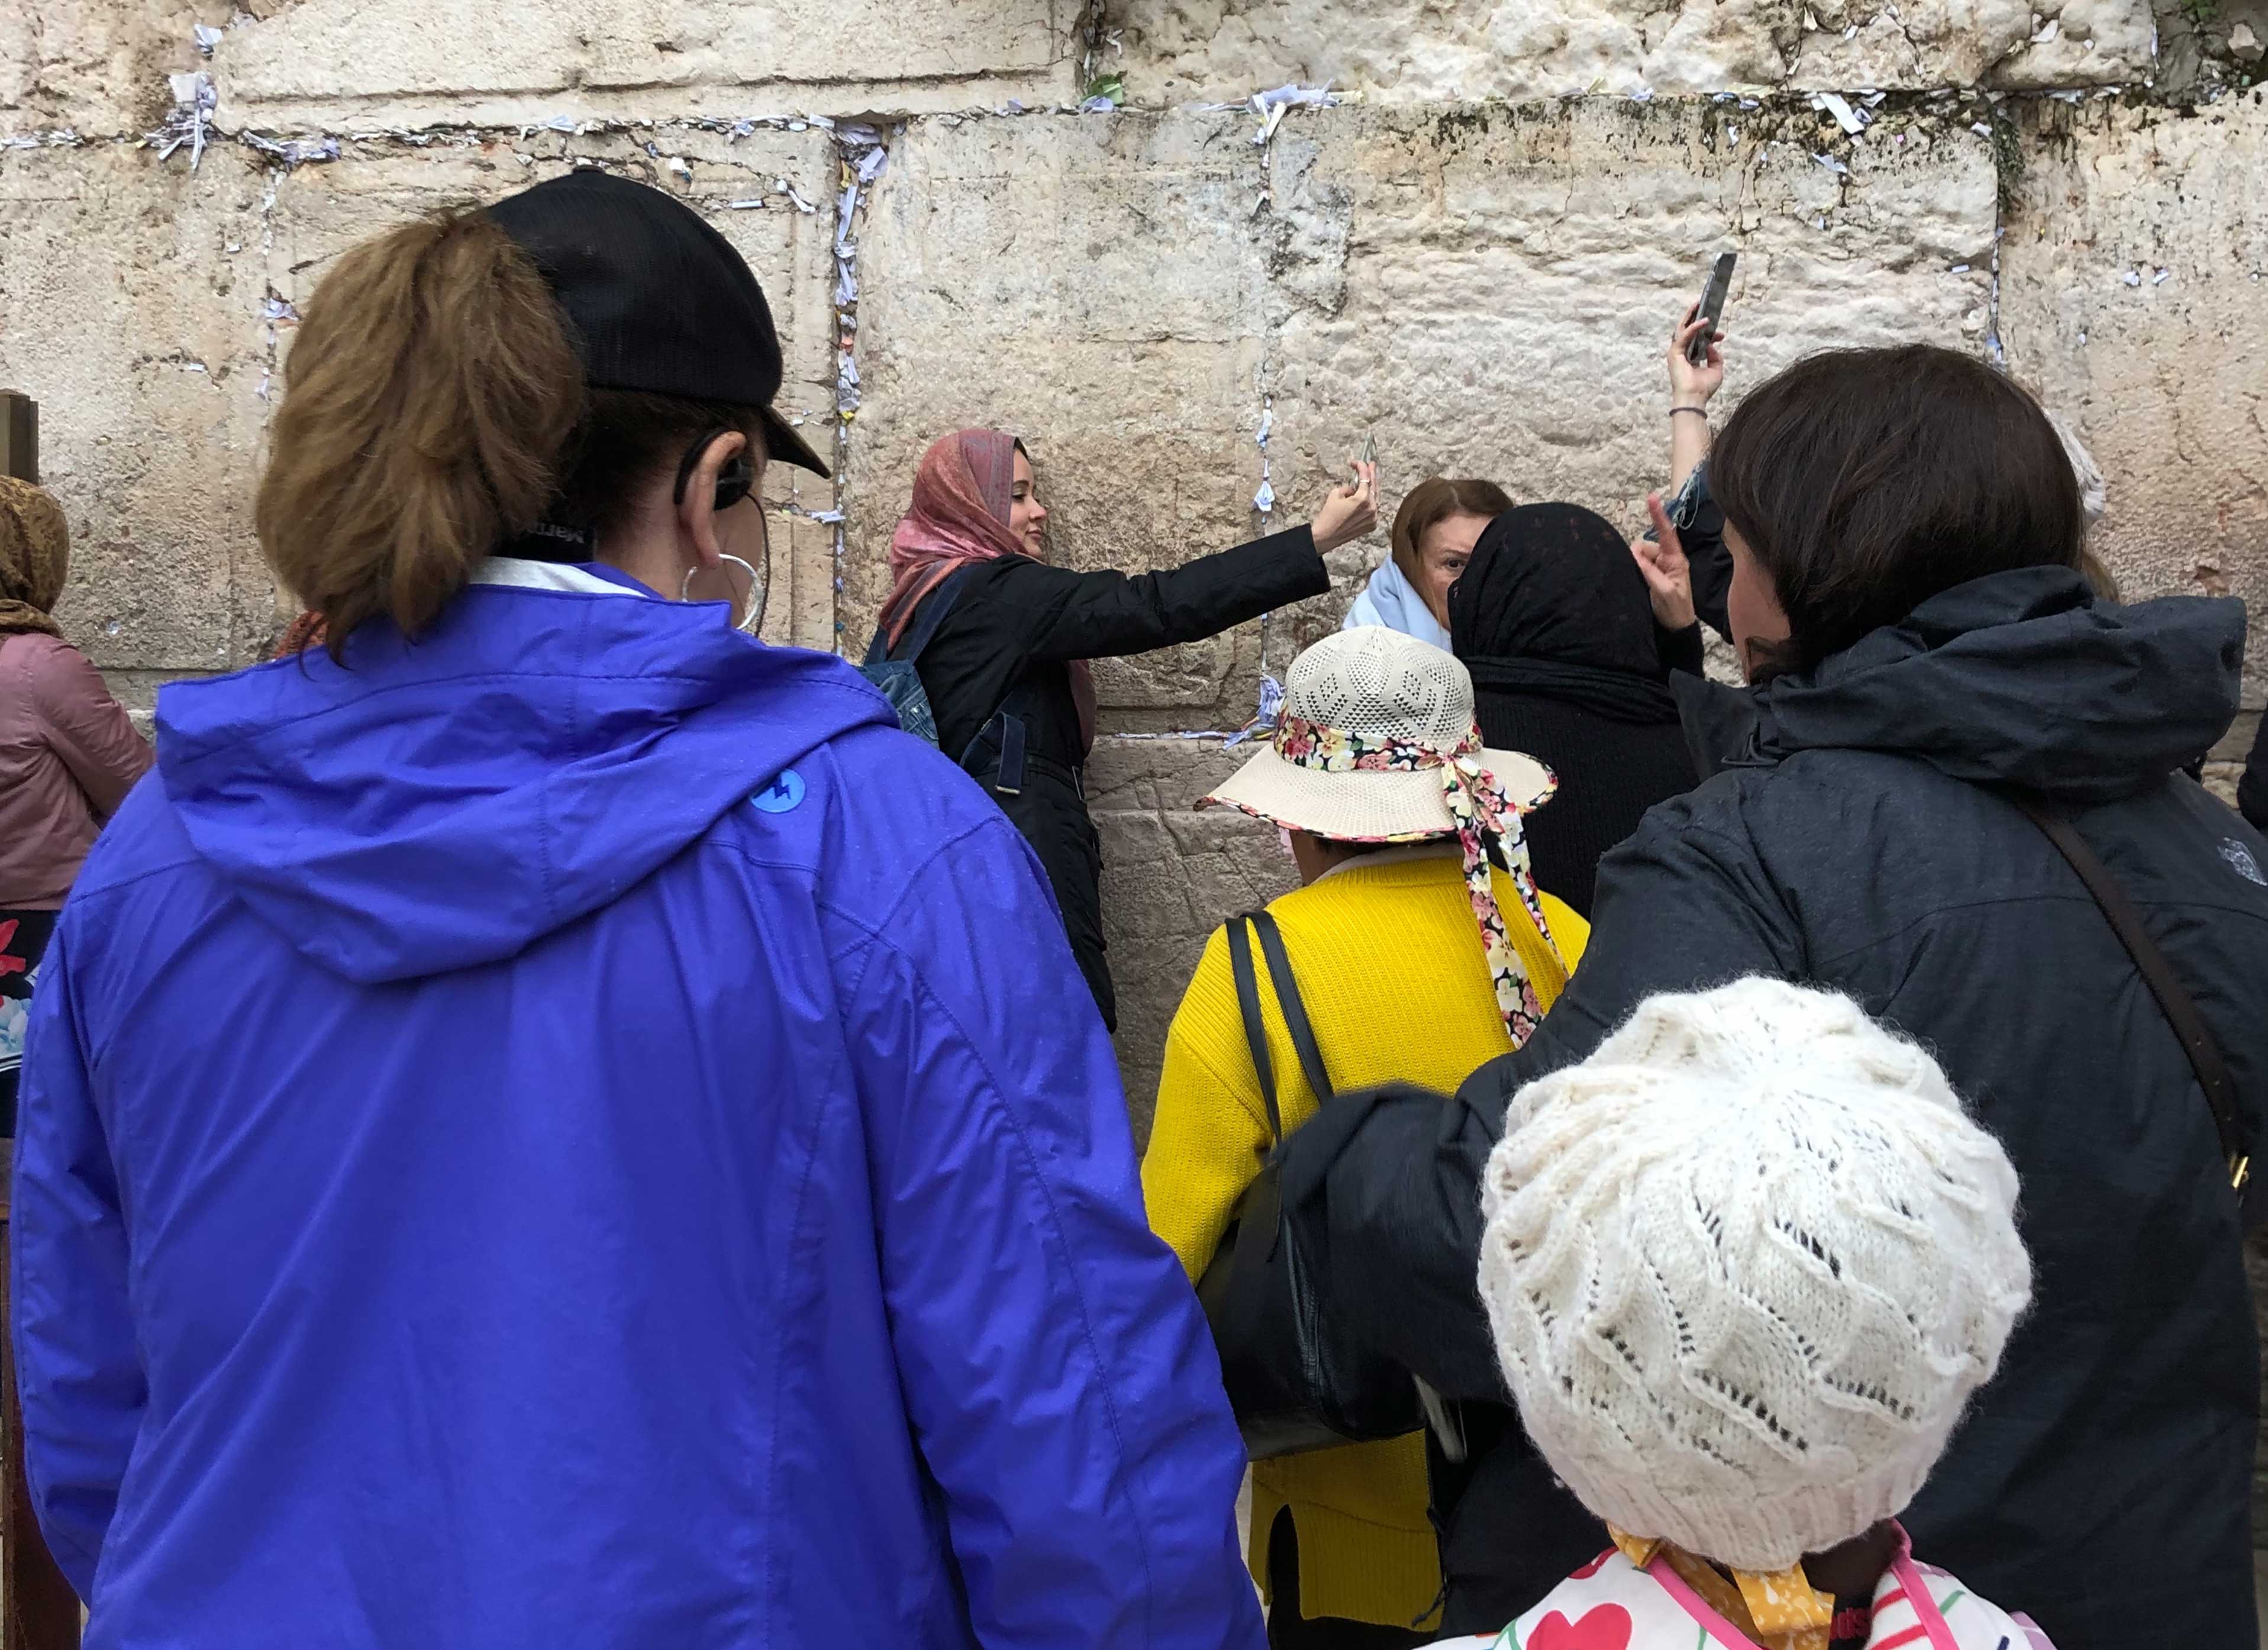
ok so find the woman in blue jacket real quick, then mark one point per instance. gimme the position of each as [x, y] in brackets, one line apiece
[553, 1124]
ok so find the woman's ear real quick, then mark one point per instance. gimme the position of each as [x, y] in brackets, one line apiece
[696, 510]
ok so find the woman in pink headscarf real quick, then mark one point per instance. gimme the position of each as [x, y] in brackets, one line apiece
[1000, 640]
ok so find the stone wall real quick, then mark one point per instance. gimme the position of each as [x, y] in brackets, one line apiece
[1472, 256]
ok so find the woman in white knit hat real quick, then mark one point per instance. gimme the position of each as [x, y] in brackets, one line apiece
[1417, 959]
[1745, 1265]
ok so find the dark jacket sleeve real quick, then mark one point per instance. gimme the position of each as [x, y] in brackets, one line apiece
[1386, 1183]
[2252, 788]
[1701, 532]
[1711, 565]
[1064, 615]
[1679, 650]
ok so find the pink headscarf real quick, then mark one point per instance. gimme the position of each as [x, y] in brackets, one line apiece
[962, 497]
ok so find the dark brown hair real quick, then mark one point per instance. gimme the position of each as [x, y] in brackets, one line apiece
[1867, 481]
[1435, 499]
[434, 406]
[623, 438]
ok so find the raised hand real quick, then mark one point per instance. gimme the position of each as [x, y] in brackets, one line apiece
[1668, 577]
[1350, 511]
[1691, 385]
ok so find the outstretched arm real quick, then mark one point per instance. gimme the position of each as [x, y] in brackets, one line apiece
[1070, 615]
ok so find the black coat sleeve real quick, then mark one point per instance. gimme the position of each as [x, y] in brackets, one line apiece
[2252, 788]
[1679, 650]
[1711, 565]
[1061, 615]
[1701, 532]
[1386, 1183]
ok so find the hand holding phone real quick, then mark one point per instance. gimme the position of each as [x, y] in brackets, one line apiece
[1711, 309]
[1697, 367]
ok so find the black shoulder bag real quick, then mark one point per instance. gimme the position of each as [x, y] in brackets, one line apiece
[2179, 1008]
[1292, 1388]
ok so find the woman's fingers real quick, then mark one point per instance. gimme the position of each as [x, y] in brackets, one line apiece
[1664, 529]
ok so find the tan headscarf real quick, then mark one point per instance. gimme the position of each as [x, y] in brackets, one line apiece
[34, 557]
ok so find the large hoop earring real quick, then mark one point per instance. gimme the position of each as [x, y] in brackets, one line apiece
[758, 590]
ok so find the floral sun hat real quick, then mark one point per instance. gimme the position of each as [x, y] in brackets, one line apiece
[1378, 744]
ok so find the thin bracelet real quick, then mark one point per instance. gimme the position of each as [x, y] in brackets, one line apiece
[1703, 411]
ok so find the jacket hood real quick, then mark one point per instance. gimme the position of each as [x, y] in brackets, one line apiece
[437, 805]
[1390, 599]
[2025, 678]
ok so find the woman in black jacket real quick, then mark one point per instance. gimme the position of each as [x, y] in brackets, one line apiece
[1568, 664]
[1906, 593]
[1000, 639]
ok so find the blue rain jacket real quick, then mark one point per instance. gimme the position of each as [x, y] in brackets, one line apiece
[576, 1132]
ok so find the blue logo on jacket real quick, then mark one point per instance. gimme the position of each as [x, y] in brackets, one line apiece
[782, 794]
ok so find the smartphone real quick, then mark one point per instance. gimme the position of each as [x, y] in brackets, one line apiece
[19, 436]
[1711, 307]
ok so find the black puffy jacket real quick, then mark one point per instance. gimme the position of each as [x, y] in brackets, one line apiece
[2102, 1481]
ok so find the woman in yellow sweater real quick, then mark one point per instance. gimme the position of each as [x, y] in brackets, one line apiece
[1392, 807]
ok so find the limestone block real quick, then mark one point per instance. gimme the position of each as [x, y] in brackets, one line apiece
[1170, 876]
[2131, 293]
[133, 314]
[2079, 42]
[1416, 51]
[800, 611]
[320, 211]
[414, 62]
[1093, 283]
[1491, 291]
[97, 66]
[747, 187]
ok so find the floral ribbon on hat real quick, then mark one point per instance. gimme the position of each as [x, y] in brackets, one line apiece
[1482, 813]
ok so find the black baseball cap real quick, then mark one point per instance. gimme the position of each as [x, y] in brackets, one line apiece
[662, 302]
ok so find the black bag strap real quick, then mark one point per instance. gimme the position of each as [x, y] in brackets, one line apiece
[932, 613]
[1295, 1009]
[1255, 1028]
[2181, 1011]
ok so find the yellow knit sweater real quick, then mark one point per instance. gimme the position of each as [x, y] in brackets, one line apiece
[1389, 963]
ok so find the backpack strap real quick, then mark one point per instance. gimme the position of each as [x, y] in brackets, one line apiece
[1255, 1028]
[1008, 729]
[1295, 1009]
[2179, 1008]
[1010, 780]
[932, 613]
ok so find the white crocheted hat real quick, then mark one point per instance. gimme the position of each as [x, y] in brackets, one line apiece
[1371, 684]
[1745, 1265]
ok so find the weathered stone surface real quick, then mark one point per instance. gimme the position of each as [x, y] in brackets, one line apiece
[97, 66]
[2131, 286]
[1093, 283]
[1414, 51]
[1491, 291]
[1170, 876]
[747, 187]
[319, 211]
[395, 63]
[133, 315]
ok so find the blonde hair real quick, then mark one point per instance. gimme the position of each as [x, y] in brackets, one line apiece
[1434, 500]
[429, 398]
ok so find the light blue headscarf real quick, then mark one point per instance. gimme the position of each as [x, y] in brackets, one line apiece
[1392, 600]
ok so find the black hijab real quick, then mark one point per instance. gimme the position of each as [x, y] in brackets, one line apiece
[1552, 604]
